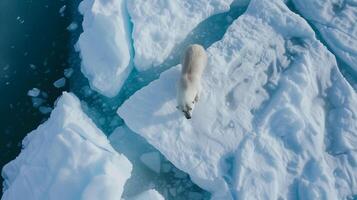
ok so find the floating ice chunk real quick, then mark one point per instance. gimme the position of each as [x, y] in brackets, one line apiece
[60, 82]
[152, 161]
[160, 25]
[61, 10]
[68, 72]
[72, 26]
[336, 21]
[273, 102]
[19, 19]
[67, 157]
[37, 101]
[148, 195]
[34, 92]
[32, 66]
[104, 44]
[45, 109]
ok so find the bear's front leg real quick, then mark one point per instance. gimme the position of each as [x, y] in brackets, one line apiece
[196, 98]
[198, 93]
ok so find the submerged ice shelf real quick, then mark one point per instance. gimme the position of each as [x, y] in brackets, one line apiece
[158, 173]
[290, 133]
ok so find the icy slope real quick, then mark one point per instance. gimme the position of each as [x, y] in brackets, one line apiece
[276, 118]
[336, 21]
[104, 44]
[159, 25]
[67, 157]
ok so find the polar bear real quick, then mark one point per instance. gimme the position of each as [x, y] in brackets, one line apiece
[193, 63]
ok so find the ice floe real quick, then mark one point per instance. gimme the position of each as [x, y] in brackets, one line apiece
[276, 119]
[104, 44]
[336, 22]
[67, 157]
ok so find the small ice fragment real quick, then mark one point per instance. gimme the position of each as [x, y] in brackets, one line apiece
[86, 91]
[45, 109]
[44, 95]
[34, 92]
[6, 67]
[68, 72]
[60, 83]
[32, 66]
[73, 26]
[152, 161]
[61, 10]
[36, 101]
[18, 18]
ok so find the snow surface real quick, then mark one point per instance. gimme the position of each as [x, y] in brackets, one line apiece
[159, 25]
[276, 119]
[104, 44]
[336, 21]
[148, 195]
[67, 157]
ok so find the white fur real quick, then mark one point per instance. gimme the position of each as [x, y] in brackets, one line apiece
[189, 85]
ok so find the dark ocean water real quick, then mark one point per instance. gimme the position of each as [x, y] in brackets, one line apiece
[34, 51]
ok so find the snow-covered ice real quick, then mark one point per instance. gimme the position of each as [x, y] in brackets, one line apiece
[104, 44]
[336, 21]
[276, 119]
[67, 157]
[148, 195]
[159, 25]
